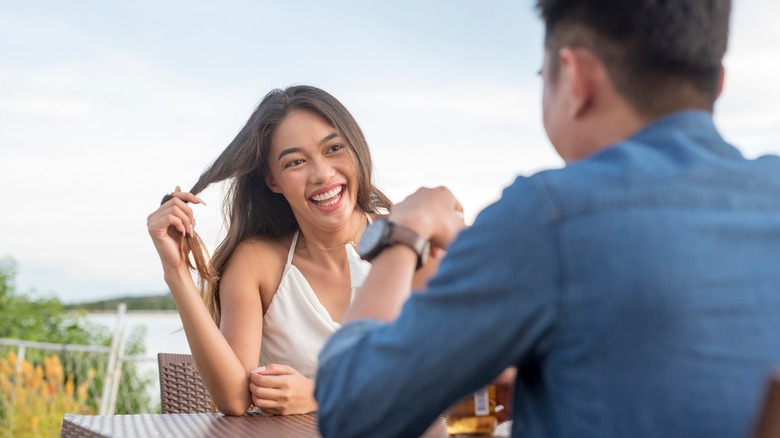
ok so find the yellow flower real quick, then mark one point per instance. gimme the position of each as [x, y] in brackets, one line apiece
[27, 371]
[5, 384]
[82, 392]
[69, 388]
[34, 400]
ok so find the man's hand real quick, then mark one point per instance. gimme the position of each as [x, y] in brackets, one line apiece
[435, 214]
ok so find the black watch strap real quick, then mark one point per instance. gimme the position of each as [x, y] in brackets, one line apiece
[390, 234]
[406, 236]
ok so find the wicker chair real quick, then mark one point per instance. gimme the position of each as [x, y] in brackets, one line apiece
[181, 389]
[769, 417]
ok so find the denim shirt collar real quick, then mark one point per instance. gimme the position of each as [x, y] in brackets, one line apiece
[692, 123]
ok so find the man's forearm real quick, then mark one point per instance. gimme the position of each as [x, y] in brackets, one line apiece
[387, 286]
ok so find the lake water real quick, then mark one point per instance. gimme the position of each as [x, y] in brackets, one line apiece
[163, 334]
[163, 330]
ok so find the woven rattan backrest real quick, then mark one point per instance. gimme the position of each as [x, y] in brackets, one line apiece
[769, 417]
[181, 389]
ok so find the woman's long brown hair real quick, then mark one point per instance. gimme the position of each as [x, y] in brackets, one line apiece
[250, 207]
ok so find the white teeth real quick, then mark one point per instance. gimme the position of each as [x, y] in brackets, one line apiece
[327, 195]
[329, 203]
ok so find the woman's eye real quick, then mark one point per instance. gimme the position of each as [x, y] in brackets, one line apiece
[336, 147]
[293, 163]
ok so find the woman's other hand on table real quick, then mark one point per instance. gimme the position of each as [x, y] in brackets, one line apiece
[281, 390]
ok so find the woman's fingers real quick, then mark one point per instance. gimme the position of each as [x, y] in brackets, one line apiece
[175, 222]
[271, 400]
[184, 212]
[265, 393]
[271, 381]
[171, 220]
[174, 213]
[268, 406]
[184, 196]
[160, 224]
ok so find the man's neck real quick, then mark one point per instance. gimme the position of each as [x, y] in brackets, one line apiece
[606, 128]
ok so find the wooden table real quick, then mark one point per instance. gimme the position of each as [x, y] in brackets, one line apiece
[208, 425]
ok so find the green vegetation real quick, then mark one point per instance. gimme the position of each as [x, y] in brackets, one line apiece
[39, 319]
[31, 318]
[151, 302]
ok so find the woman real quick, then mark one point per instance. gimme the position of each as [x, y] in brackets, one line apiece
[300, 196]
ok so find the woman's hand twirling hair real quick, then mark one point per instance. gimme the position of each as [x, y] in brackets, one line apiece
[250, 208]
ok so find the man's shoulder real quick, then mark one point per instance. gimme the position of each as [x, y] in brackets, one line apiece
[545, 193]
[579, 182]
[637, 173]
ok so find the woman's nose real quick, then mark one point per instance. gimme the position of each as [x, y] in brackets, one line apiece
[322, 171]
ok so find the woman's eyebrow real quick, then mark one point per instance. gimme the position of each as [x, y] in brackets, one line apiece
[292, 150]
[289, 151]
[329, 137]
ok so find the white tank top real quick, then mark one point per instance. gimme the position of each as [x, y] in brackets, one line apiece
[296, 324]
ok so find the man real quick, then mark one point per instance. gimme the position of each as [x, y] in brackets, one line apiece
[635, 290]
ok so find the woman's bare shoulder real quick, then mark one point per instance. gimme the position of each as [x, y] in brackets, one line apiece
[265, 244]
[258, 261]
[258, 264]
[263, 250]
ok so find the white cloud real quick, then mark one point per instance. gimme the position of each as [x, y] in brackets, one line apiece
[42, 106]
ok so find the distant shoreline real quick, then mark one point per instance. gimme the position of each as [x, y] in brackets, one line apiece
[129, 311]
[158, 303]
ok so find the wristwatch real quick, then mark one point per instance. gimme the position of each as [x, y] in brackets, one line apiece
[383, 234]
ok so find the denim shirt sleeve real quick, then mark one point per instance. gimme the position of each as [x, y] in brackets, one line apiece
[346, 338]
[492, 304]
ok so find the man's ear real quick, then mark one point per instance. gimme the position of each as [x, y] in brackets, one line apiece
[270, 182]
[721, 81]
[577, 70]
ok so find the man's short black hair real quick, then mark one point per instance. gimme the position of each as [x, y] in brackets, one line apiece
[658, 53]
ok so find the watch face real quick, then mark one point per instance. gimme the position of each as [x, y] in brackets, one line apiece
[371, 238]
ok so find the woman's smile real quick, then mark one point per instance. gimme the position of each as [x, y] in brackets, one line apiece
[328, 198]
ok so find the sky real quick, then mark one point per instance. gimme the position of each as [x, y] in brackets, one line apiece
[107, 106]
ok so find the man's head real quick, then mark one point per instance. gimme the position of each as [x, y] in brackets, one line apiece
[659, 56]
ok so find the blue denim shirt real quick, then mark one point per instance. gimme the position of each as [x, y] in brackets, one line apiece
[637, 292]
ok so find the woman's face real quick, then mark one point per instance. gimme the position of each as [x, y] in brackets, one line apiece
[312, 166]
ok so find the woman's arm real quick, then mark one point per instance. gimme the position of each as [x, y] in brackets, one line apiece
[224, 362]
[220, 356]
[223, 357]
